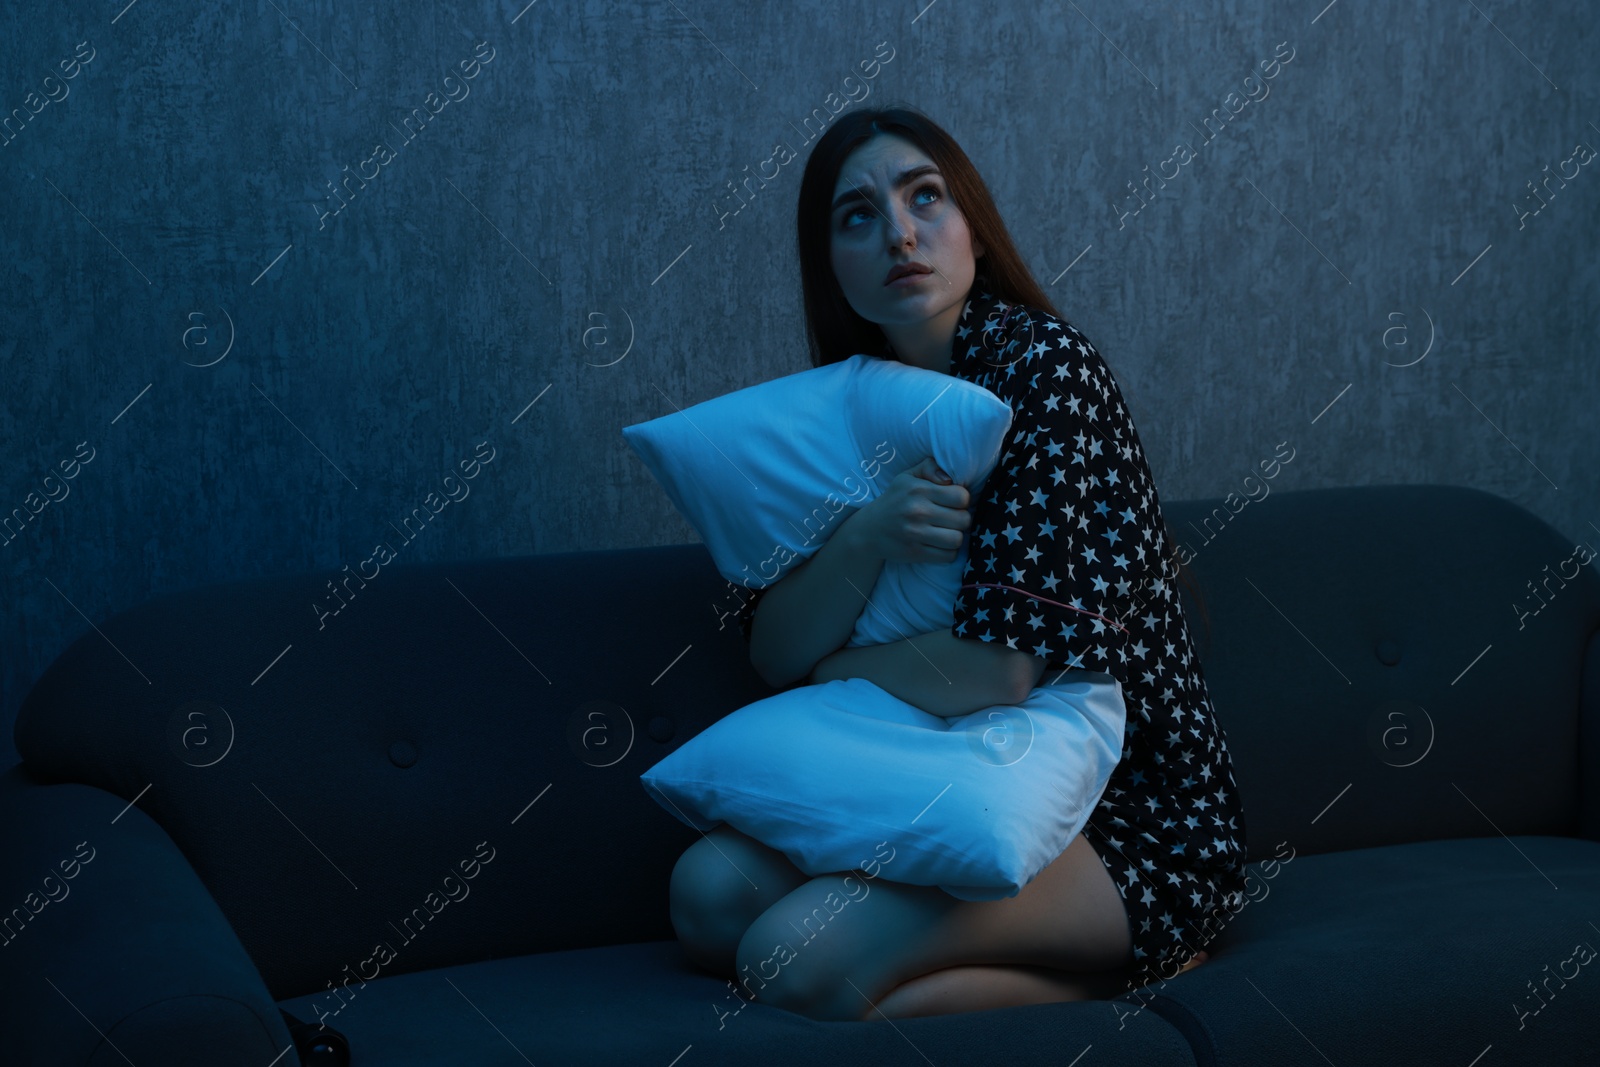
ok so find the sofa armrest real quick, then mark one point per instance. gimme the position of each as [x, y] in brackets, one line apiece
[1589, 742]
[111, 948]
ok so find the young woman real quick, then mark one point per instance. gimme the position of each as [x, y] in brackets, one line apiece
[903, 255]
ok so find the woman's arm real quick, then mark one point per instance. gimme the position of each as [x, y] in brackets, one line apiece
[813, 609]
[938, 672]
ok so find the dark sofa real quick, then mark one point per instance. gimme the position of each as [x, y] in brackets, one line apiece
[422, 821]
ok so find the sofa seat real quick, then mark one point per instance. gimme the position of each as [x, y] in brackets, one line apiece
[644, 1003]
[1352, 950]
[1416, 953]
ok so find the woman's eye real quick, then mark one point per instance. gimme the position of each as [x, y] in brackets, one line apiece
[844, 223]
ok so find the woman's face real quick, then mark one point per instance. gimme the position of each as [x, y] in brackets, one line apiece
[887, 218]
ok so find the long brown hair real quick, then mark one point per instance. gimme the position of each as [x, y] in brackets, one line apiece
[834, 331]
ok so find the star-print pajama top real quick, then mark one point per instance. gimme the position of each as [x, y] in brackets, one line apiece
[1068, 559]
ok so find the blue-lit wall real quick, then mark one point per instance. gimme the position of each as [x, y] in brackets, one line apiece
[278, 271]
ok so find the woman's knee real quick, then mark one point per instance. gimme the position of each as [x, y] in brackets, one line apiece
[837, 939]
[719, 886]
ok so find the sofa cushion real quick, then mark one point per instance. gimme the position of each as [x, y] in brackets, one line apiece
[1431, 952]
[645, 1004]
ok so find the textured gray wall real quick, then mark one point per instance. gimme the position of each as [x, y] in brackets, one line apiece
[172, 201]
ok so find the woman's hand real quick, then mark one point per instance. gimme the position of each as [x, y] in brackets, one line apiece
[920, 518]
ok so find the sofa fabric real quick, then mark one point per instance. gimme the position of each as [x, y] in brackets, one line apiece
[122, 951]
[420, 818]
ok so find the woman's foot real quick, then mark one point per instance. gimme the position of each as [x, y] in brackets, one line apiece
[1199, 958]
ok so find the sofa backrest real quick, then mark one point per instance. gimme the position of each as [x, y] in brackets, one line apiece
[446, 769]
[1398, 663]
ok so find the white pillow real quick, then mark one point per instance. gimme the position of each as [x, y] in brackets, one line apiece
[764, 474]
[977, 804]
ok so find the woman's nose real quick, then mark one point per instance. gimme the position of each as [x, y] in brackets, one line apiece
[901, 229]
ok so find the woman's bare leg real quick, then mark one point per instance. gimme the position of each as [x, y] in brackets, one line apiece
[980, 987]
[718, 887]
[878, 936]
